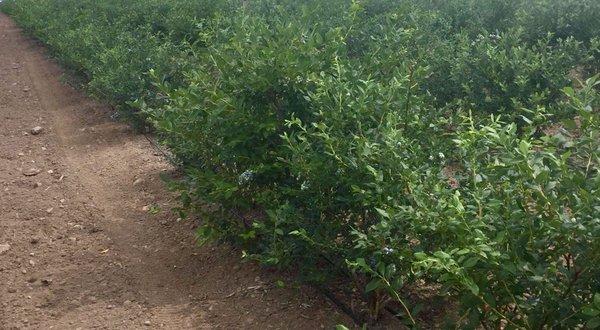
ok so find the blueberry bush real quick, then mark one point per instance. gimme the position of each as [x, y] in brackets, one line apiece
[448, 144]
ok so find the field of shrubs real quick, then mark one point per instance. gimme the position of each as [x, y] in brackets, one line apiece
[396, 147]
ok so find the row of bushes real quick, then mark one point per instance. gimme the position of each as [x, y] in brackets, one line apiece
[450, 144]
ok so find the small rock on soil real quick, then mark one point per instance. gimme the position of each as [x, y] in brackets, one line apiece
[4, 247]
[36, 130]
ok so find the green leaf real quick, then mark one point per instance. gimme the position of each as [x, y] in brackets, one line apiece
[383, 213]
[472, 286]
[470, 262]
[360, 262]
[593, 323]
[569, 91]
[589, 311]
[489, 298]
[373, 285]
[524, 147]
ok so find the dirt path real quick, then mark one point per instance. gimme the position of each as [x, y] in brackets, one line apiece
[78, 247]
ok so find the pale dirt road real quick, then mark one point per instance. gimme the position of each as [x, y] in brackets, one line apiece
[77, 250]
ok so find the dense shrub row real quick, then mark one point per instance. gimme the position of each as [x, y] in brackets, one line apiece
[445, 143]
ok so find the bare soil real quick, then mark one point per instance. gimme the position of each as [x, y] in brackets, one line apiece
[87, 235]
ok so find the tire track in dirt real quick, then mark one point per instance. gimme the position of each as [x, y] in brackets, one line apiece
[83, 251]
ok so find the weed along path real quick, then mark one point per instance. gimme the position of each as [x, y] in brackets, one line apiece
[87, 238]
